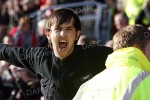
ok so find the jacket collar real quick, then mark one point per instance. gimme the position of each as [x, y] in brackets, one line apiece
[128, 57]
[66, 61]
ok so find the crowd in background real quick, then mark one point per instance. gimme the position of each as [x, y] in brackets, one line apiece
[17, 29]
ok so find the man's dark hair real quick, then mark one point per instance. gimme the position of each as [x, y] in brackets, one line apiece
[124, 16]
[130, 35]
[61, 16]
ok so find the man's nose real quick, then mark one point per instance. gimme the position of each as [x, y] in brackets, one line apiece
[62, 33]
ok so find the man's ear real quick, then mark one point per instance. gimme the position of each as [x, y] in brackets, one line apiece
[137, 46]
[47, 33]
[78, 34]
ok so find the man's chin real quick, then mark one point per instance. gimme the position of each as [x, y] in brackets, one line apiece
[62, 54]
[62, 49]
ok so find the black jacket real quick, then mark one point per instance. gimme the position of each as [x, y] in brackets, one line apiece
[59, 80]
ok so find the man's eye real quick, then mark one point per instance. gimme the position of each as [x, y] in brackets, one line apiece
[69, 29]
[57, 30]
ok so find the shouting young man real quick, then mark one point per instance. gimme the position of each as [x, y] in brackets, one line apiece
[62, 66]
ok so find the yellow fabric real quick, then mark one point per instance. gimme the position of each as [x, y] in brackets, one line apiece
[146, 21]
[132, 9]
[128, 57]
[122, 66]
[142, 92]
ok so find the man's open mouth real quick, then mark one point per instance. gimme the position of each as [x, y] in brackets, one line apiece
[62, 44]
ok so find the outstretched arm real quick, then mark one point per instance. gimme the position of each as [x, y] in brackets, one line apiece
[18, 56]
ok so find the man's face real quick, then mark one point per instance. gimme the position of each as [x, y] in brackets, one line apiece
[147, 50]
[119, 22]
[63, 38]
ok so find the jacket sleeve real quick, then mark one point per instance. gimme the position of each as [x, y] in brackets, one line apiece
[20, 57]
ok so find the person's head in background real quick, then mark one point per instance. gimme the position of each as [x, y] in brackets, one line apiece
[63, 30]
[41, 35]
[133, 36]
[109, 43]
[27, 4]
[85, 39]
[8, 39]
[148, 27]
[41, 27]
[120, 20]
[82, 40]
[25, 23]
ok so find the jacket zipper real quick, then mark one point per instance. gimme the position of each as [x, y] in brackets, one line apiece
[61, 65]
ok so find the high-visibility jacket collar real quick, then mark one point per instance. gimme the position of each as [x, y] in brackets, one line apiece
[129, 56]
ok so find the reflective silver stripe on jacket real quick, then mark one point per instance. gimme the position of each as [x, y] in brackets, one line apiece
[133, 84]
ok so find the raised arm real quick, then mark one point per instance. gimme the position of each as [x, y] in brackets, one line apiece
[20, 57]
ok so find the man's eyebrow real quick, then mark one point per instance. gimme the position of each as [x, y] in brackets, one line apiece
[70, 27]
[57, 28]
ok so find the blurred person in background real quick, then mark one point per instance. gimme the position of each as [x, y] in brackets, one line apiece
[45, 4]
[83, 39]
[24, 35]
[143, 17]
[3, 31]
[111, 9]
[18, 9]
[42, 40]
[4, 66]
[109, 43]
[149, 28]
[15, 11]
[18, 83]
[132, 9]
[8, 39]
[4, 19]
[6, 78]
[120, 20]
[29, 6]
[26, 85]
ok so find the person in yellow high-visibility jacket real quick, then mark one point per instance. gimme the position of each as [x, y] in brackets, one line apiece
[132, 9]
[143, 16]
[127, 76]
